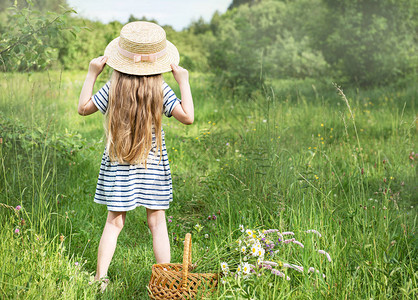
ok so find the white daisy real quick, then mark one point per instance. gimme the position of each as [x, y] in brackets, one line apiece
[241, 228]
[243, 249]
[252, 241]
[246, 269]
[254, 250]
[261, 252]
[239, 269]
[224, 266]
[249, 232]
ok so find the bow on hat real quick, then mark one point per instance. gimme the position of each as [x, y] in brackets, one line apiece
[152, 57]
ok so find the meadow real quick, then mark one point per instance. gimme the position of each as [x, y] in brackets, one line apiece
[294, 156]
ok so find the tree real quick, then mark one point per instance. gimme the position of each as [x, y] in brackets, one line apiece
[40, 5]
[264, 40]
[370, 42]
[28, 38]
[132, 18]
[236, 3]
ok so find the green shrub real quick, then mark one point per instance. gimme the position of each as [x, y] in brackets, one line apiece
[23, 139]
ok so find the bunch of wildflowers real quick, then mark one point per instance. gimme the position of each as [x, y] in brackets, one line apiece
[258, 252]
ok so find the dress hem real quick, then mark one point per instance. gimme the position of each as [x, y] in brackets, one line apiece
[153, 207]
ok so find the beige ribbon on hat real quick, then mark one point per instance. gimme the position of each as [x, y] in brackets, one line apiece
[152, 57]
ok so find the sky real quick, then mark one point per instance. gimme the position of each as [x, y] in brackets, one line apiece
[177, 13]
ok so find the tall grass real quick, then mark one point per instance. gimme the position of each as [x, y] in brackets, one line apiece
[294, 157]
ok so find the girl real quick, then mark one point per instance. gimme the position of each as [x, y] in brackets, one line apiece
[134, 169]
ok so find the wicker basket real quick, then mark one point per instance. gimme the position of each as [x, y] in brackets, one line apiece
[175, 281]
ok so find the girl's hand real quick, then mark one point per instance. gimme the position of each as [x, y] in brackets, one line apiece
[180, 74]
[97, 64]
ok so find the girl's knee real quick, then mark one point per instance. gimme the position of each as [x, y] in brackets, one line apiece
[116, 218]
[155, 218]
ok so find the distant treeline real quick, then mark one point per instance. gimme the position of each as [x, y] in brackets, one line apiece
[363, 42]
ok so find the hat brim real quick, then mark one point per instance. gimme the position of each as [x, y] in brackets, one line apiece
[126, 65]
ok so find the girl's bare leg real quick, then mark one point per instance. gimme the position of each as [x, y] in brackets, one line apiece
[160, 241]
[114, 224]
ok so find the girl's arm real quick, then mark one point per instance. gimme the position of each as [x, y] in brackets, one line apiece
[85, 104]
[185, 111]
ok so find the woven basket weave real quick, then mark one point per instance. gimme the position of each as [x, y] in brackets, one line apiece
[175, 281]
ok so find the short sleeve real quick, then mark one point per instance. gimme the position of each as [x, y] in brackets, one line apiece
[170, 99]
[100, 99]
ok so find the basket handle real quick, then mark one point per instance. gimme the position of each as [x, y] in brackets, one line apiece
[187, 259]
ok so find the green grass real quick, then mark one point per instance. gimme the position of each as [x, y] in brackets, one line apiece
[291, 157]
[35, 265]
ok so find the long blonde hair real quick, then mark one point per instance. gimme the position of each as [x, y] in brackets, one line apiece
[134, 112]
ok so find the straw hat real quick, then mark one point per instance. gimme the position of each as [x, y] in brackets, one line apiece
[141, 49]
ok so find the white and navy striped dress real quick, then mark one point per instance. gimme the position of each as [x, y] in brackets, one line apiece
[123, 187]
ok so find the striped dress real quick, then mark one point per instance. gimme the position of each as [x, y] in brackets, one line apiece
[123, 187]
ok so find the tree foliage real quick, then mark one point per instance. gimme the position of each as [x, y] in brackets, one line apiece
[76, 51]
[365, 42]
[40, 5]
[236, 3]
[28, 38]
[370, 42]
[264, 40]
